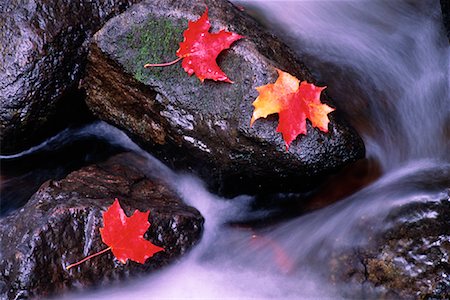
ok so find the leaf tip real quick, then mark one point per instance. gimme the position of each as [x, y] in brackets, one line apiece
[287, 143]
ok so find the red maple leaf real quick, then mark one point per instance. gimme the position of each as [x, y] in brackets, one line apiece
[200, 49]
[294, 102]
[125, 236]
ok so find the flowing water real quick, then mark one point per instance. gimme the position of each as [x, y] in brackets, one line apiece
[386, 64]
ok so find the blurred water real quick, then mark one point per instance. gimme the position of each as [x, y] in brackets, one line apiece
[395, 58]
[288, 260]
[386, 64]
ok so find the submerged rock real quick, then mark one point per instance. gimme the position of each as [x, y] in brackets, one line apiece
[206, 126]
[42, 57]
[409, 260]
[60, 226]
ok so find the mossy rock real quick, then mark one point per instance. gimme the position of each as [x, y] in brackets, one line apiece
[205, 127]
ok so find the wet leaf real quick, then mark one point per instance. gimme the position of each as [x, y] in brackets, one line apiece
[295, 102]
[200, 48]
[125, 235]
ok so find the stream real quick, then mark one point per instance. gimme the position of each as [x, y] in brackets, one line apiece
[386, 64]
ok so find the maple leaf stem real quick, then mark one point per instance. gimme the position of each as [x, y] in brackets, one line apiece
[163, 64]
[87, 258]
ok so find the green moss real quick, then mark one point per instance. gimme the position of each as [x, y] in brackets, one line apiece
[156, 41]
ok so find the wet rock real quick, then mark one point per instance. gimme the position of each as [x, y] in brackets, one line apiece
[409, 260]
[43, 47]
[66, 152]
[60, 225]
[206, 127]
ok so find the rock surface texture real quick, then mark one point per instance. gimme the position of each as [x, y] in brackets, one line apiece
[206, 126]
[409, 260]
[60, 226]
[43, 48]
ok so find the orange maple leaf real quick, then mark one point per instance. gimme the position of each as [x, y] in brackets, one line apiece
[295, 102]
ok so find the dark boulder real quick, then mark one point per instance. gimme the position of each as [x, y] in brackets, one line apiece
[408, 260]
[60, 225]
[43, 48]
[206, 127]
